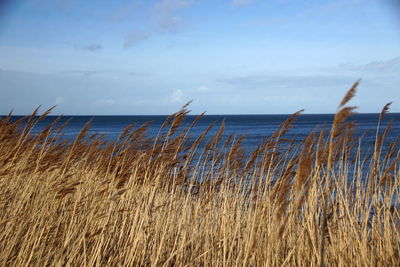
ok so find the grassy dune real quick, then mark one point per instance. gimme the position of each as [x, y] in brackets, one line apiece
[165, 201]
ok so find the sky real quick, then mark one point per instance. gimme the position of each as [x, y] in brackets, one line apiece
[138, 57]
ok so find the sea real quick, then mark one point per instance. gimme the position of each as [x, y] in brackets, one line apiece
[257, 128]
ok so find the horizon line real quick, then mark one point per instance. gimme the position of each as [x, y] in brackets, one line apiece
[213, 114]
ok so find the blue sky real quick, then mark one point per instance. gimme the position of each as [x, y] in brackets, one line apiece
[229, 56]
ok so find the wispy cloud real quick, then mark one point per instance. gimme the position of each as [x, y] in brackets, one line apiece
[310, 9]
[202, 89]
[105, 102]
[65, 5]
[376, 66]
[282, 81]
[85, 73]
[59, 100]
[167, 14]
[89, 48]
[93, 47]
[135, 38]
[64, 2]
[125, 11]
[242, 2]
[166, 18]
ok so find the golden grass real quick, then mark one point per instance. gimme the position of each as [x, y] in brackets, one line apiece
[165, 201]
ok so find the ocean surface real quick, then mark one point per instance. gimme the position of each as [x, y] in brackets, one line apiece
[256, 127]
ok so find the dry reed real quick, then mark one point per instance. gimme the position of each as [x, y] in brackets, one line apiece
[167, 201]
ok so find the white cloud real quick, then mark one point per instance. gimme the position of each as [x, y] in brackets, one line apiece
[242, 2]
[176, 96]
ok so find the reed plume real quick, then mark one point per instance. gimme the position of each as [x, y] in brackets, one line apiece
[177, 199]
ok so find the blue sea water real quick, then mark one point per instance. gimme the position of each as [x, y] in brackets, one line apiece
[256, 127]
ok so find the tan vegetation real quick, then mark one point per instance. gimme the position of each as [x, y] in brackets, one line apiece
[165, 201]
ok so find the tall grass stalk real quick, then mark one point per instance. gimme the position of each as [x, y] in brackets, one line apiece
[165, 200]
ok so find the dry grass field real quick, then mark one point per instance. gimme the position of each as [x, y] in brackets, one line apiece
[164, 201]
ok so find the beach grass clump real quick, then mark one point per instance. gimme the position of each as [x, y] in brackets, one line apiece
[173, 200]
